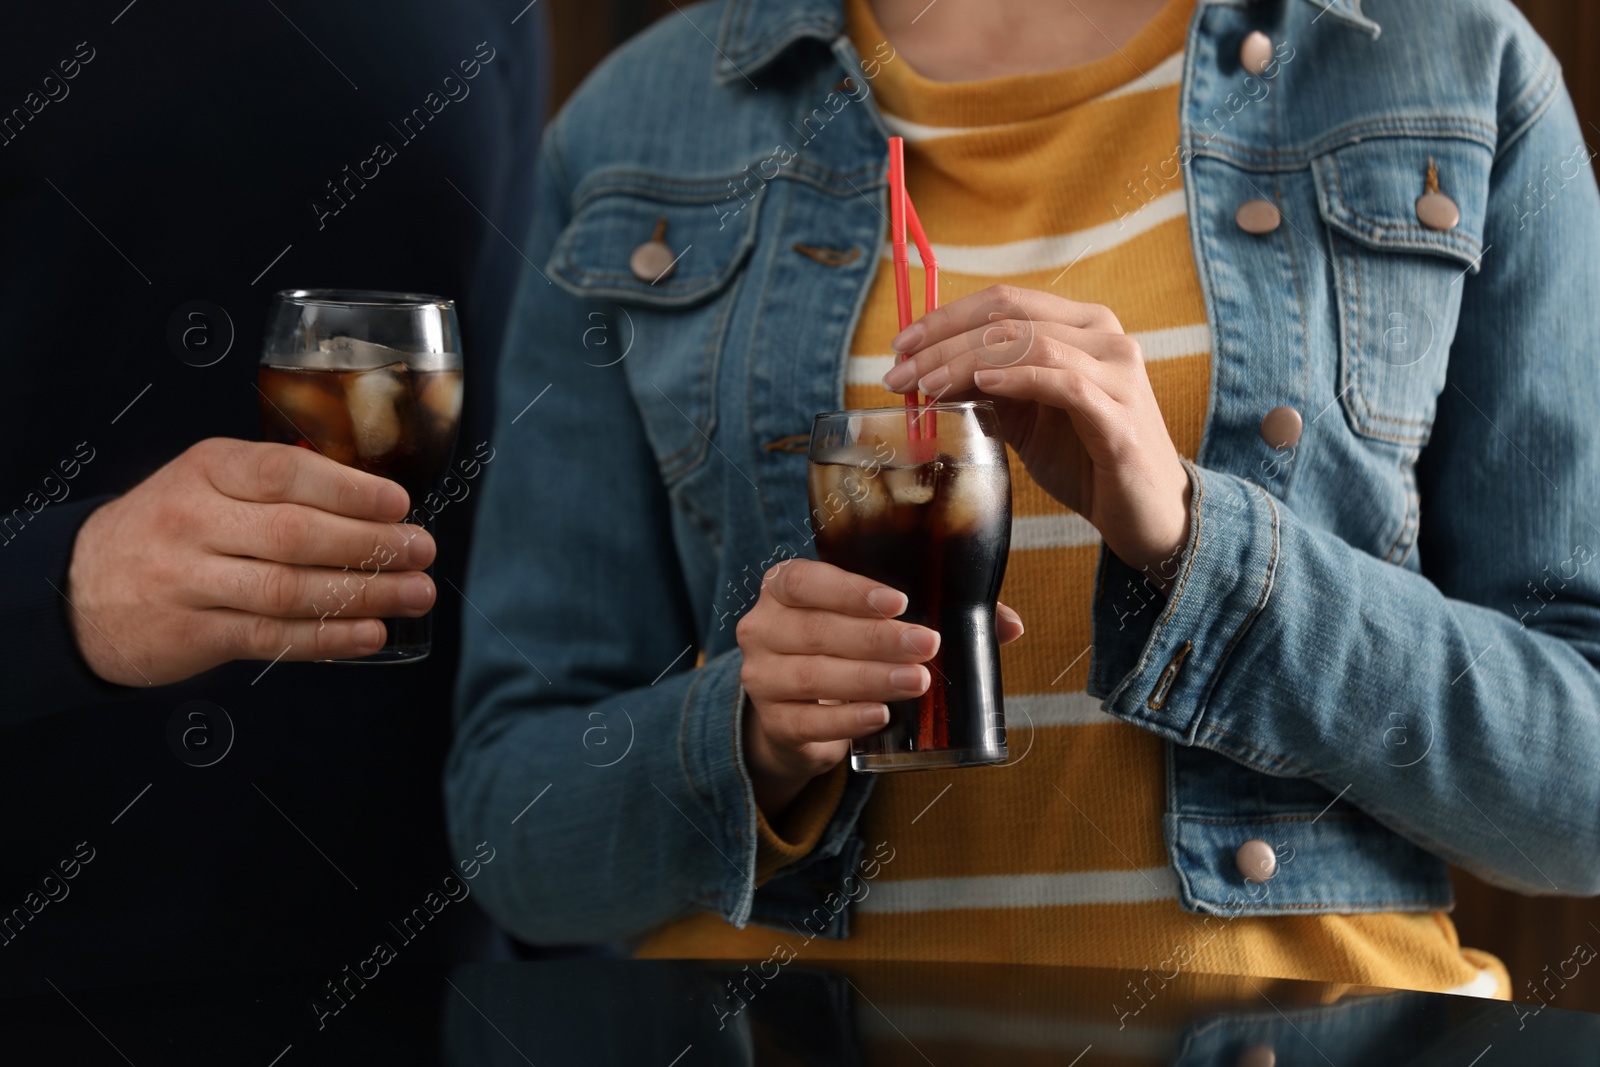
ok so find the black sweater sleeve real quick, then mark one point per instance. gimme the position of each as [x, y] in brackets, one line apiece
[41, 669]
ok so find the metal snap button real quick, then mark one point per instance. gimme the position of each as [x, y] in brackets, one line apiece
[1256, 860]
[1258, 216]
[653, 260]
[1437, 211]
[1255, 52]
[1281, 427]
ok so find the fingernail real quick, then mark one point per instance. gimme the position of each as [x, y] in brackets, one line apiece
[368, 633]
[900, 375]
[934, 381]
[392, 500]
[920, 641]
[987, 379]
[875, 715]
[1010, 616]
[416, 592]
[909, 679]
[909, 339]
[887, 602]
[421, 549]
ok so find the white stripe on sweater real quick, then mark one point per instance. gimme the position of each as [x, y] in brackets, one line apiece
[1019, 891]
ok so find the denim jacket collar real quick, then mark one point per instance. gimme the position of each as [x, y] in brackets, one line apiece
[755, 32]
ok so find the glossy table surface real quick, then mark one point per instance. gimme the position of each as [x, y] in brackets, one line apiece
[688, 1014]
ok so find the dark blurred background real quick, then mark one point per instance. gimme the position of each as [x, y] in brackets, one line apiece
[1528, 933]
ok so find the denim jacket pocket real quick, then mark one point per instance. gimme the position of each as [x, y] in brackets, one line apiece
[667, 330]
[1399, 281]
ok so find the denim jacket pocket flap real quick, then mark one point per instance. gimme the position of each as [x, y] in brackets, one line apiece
[1399, 281]
[1341, 862]
[595, 255]
[1368, 190]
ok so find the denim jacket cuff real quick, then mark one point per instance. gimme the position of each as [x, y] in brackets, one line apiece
[1156, 661]
[712, 749]
[799, 829]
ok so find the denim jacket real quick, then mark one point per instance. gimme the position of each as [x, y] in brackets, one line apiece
[1379, 650]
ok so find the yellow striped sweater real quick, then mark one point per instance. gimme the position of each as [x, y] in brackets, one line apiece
[1055, 182]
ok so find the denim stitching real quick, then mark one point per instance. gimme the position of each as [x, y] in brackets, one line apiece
[1550, 74]
[1237, 750]
[1442, 127]
[1358, 405]
[1261, 601]
[1300, 304]
[761, 479]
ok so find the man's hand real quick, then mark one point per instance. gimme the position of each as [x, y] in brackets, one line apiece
[239, 550]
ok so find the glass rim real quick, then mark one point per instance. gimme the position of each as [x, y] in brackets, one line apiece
[364, 298]
[952, 405]
[901, 410]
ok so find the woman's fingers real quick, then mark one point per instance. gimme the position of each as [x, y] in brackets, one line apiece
[1007, 624]
[996, 303]
[1070, 390]
[808, 631]
[946, 369]
[780, 678]
[806, 583]
[793, 723]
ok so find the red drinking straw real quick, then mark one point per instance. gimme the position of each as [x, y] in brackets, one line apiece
[902, 269]
[901, 212]
[930, 277]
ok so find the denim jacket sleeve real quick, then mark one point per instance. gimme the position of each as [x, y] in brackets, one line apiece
[594, 756]
[1286, 649]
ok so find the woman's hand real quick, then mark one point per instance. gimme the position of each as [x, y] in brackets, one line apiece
[816, 634]
[1074, 401]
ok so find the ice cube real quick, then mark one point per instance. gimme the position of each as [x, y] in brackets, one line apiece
[969, 496]
[441, 396]
[826, 479]
[312, 414]
[912, 486]
[374, 398]
[352, 353]
[865, 488]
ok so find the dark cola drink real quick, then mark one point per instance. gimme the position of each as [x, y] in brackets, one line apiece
[928, 514]
[391, 421]
[372, 381]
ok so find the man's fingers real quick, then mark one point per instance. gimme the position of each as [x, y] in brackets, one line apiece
[295, 533]
[806, 583]
[808, 631]
[277, 589]
[283, 474]
[241, 635]
[790, 724]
